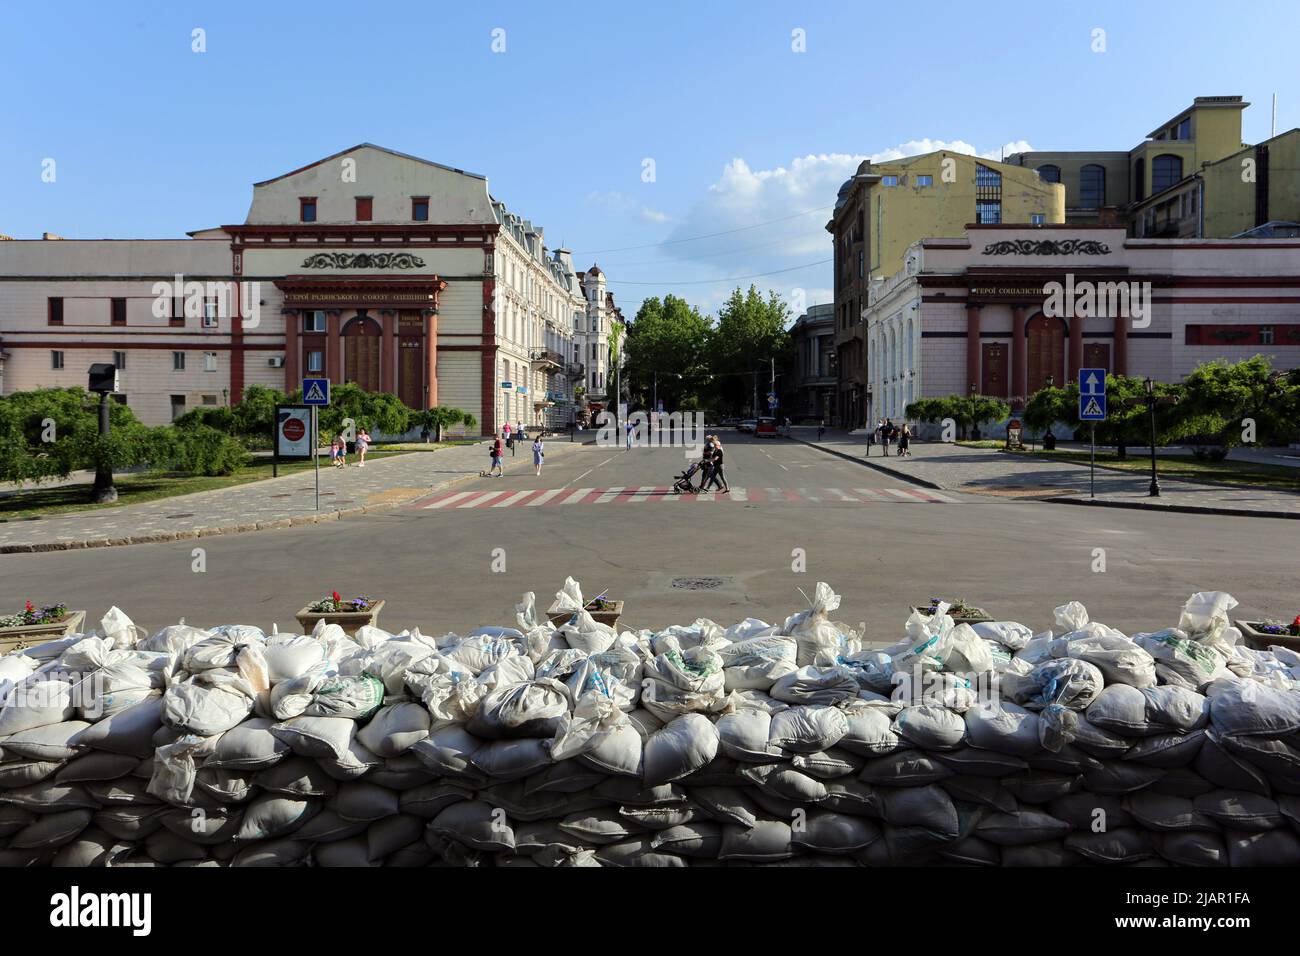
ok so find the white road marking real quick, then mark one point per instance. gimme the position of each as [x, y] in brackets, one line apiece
[739, 494]
[544, 497]
[871, 494]
[577, 496]
[580, 477]
[508, 500]
[451, 499]
[479, 498]
[642, 493]
[609, 495]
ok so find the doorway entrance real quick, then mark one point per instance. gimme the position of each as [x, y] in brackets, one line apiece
[1045, 352]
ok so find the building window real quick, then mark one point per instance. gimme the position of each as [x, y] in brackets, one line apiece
[118, 312]
[577, 354]
[1037, 219]
[54, 311]
[1183, 130]
[307, 208]
[862, 261]
[209, 399]
[1049, 173]
[119, 360]
[420, 208]
[1166, 170]
[1092, 186]
[56, 360]
[178, 406]
[988, 195]
[365, 208]
[313, 321]
[924, 180]
[1266, 335]
[209, 313]
[889, 180]
[1140, 178]
[119, 397]
[315, 361]
[209, 361]
[177, 317]
[178, 361]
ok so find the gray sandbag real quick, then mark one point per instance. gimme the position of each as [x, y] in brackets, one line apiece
[168, 849]
[1270, 848]
[274, 815]
[785, 782]
[1122, 710]
[129, 731]
[47, 797]
[637, 852]
[633, 793]
[743, 735]
[51, 829]
[971, 851]
[1053, 853]
[327, 827]
[395, 728]
[47, 742]
[512, 759]
[662, 818]
[250, 746]
[765, 841]
[527, 709]
[1177, 708]
[829, 764]
[1118, 845]
[13, 819]
[1180, 782]
[906, 768]
[296, 777]
[776, 806]
[1250, 708]
[360, 800]
[35, 702]
[273, 853]
[618, 752]
[1003, 727]
[721, 771]
[982, 791]
[90, 847]
[96, 766]
[1159, 812]
[1167, 750]
[870, 732]
[27, 773]
[727, 805]
[449, 751]
[1069, 759]
[1192, 848]
[928, 807]
[1225, 770]
[1021, 827]
[204, 827]
[1086, 811]
[355, 761]
[566, 776]
[225, 786]
[817, 685]
[475, 824]
[1040, 786]
[1240, 810]
[1115, 777]
[1098, 742]
[129, 823]
[679, 748]
[851, 796]
[807, 728]
[823, 831]
[352, 852]
[429, 800]
[317, 737]
[699, 839]
[600, 826]
[930, 727]
[1277, 759]
[387, 836]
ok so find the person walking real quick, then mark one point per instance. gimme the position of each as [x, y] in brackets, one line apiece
[539, 456]
[506, 432]
[821, 429]
[496, 452]
[629, 427]
[363, 442]
[905, 441]
[886, 433]
[716, 476]
[334, 452]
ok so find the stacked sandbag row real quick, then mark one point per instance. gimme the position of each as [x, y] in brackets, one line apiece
[787, 744]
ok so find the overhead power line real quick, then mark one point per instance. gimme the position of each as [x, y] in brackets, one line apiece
[752, 275]
[709, 235]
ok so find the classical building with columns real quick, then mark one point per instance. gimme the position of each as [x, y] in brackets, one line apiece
[1008, 309]
[368, 266]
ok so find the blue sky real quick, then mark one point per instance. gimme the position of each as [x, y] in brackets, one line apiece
[152, 139]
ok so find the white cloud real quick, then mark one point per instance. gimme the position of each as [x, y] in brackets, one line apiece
[621, 202]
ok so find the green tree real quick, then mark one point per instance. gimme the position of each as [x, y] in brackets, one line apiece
[381, 411]
[49, 433]
[439, 417]
[750, 333]
[667, 337]
[966, 411]
[1221, 399]
[1126, 421]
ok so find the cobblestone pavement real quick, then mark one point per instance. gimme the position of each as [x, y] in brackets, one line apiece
[992, 472]
[273, 503]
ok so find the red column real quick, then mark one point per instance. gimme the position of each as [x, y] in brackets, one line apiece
[1119, 360]
[972, 347]
[1019, 380]
[292, 350]
[431, 358]
[387, 383]
[333, 348]
[1076, 349]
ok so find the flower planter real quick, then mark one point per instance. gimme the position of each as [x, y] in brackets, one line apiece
[1260, 640]
[18, 638]
[610, 616]
[348, 620]
[976, 615]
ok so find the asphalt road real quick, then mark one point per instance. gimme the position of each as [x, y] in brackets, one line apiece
[441, 568]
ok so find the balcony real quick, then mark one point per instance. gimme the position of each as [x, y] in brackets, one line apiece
[546, 360]
[576, 370]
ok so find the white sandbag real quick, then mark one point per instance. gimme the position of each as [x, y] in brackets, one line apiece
[869, 731]
[1009, 634]
[129, 731]
[120, 630]
[967, 653]
[291, 655]
[582, 632]
[758, 662]
[1119, 659]
[817, 685]
[316, 736]
[815, 633]
[930, 727]
[1004, 727]
[743, 735]
[47, 742]
[35, 702]
[174, 639]
[528, 709]
[679, 748]
[1177, 708]
[197, 706]
[1070, 617]
[1250, 708]
[619, 752]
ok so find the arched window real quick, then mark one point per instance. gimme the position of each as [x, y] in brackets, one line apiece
[1092, 186]
[910, 363]
[1140, 179]
[1166, 170]
[1049, 173]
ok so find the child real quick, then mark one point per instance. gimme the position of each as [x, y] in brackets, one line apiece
[363, 442]
[335, 450]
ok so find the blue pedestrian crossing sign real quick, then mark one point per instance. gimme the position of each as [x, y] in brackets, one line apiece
[315, 391]
[1092, 394]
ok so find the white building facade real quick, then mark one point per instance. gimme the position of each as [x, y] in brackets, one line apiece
[368, 266]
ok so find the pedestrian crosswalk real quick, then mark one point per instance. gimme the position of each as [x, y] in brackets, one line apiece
[652, 495]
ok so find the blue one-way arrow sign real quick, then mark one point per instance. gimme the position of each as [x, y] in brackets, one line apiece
[1092, 394]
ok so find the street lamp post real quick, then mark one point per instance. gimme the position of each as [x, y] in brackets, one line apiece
[1151, 409]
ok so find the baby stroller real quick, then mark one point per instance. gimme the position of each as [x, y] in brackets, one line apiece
[683, 483]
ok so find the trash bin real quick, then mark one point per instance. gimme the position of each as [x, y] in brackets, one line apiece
[1049, 442]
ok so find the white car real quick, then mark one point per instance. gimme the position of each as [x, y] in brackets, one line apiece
[747, 425]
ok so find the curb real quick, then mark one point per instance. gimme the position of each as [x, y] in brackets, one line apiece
[1182, 509]
[923, 482]
[270, 524]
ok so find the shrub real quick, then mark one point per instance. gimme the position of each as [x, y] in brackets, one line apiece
[198, 450]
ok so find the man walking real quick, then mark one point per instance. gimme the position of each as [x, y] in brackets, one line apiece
[821, 428]
[628, 427]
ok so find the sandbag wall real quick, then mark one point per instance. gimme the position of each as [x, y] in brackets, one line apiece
[785, 744]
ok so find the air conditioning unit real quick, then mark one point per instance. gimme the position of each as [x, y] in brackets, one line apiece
[276, 362]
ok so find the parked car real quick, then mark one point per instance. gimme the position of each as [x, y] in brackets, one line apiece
[729, 423]
[766, 428]
[747, 425]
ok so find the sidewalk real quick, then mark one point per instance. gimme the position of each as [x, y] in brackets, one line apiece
[987, 471]
[261, 505]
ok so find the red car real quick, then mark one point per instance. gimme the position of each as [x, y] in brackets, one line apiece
[766, 428]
